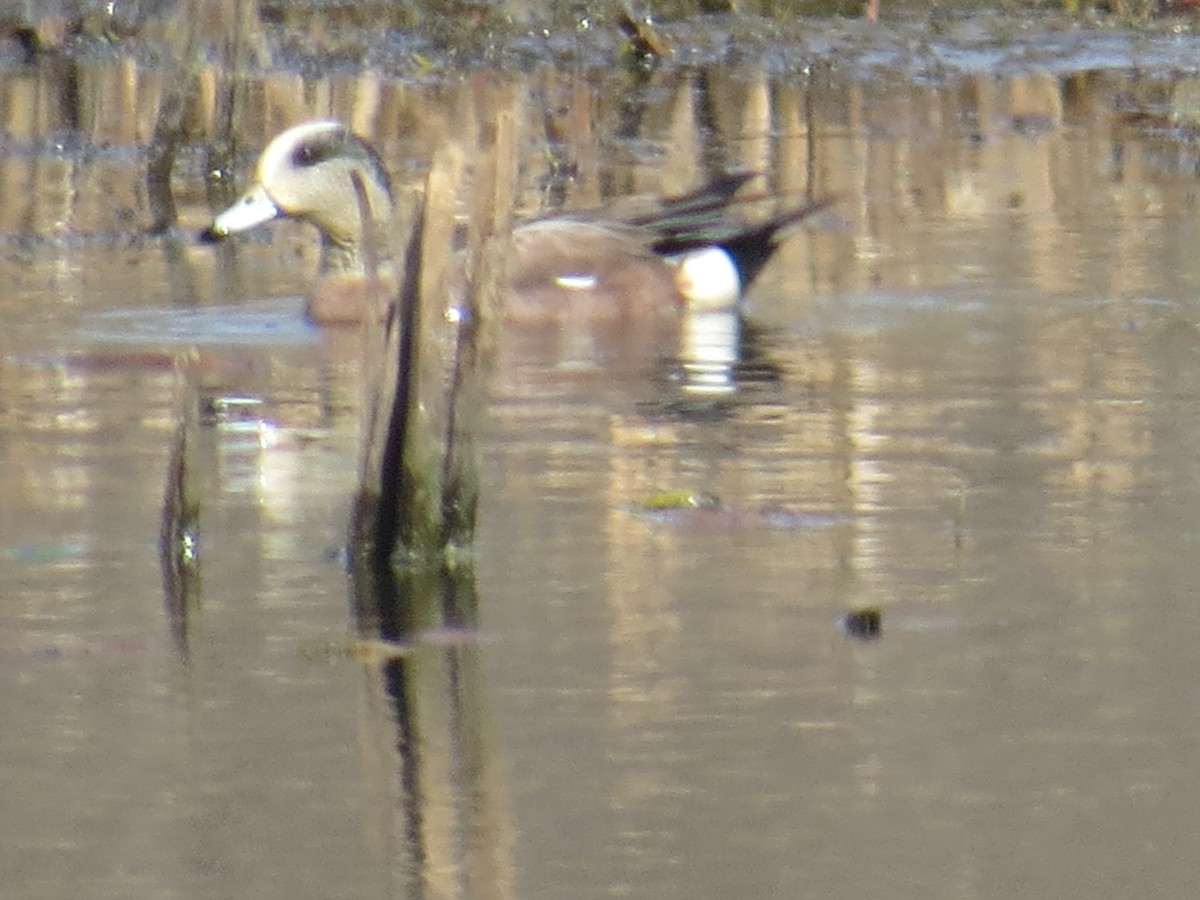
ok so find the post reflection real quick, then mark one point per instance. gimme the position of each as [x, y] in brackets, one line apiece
[436, 800]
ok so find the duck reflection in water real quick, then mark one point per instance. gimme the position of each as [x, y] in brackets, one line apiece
[626, 279]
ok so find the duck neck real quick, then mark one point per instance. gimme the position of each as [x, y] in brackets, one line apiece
[354, 239]
[356, 252]
[342, 258]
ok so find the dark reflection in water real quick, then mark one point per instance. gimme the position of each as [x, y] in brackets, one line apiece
[418, 628]
[968, 401]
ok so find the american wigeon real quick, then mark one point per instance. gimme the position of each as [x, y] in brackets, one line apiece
[582, 266]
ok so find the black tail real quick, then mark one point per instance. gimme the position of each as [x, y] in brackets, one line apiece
[750, 246]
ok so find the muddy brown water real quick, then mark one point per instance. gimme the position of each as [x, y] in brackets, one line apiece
[969, 398]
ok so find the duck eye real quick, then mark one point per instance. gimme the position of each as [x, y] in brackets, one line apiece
[306, 155]
[318, 150]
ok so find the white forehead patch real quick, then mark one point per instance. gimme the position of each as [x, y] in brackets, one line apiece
[277, 157]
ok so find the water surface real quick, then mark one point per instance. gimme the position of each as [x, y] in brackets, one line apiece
[969, 399]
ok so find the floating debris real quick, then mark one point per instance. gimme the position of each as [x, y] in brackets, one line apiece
[644, 43]
[681, 499]
[701, 508]
[374, 650]
[72, 645]
[52, 551]
[866, 624]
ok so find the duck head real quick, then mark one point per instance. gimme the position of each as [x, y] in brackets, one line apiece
[322, 173]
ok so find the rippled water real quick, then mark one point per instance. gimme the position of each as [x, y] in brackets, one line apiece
[969, 400]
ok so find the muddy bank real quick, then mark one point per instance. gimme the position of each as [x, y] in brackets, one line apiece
[421, 41]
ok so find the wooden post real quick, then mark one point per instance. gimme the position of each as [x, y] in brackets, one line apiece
[418, 477]
[398, 507]
[488, 243]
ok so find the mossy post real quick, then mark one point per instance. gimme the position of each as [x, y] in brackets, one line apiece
[419, 467]
[398, 513]
[488, 243]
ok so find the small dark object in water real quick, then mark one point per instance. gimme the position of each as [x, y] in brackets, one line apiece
[865, 624]
[644, 41]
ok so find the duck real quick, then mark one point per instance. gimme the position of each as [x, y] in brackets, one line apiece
[615, 266]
